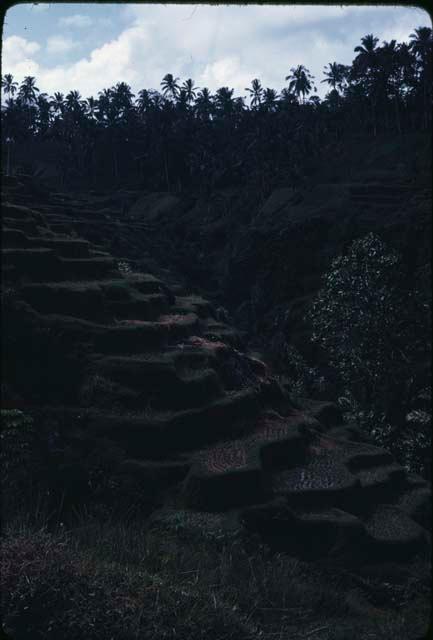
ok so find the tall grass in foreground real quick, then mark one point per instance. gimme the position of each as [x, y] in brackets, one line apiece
[107, 579]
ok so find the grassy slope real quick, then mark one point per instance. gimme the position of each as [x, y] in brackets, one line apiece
[110, 579]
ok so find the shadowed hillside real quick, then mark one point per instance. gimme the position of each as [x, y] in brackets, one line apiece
[143, 399]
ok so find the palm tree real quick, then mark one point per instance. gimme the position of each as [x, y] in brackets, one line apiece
[105, 111]
[190, 90]
[27, 93]
[28, 90]
[9, 86]
[256, 92]
[287, 97]
[239, 105]
[421, 42]
[44, 112]
[169, 86]
[157, 100]
[336, 75]
[182, 100]
[74, 102]
[300, 81]
[203, 103]
[270, 99]
[144, 101]
[224, 100]
[91, 105]
[421, 46]
[58, 102]
[389, 79]
[122, 97]
[367, 51]
[406, 63]
[364, 69]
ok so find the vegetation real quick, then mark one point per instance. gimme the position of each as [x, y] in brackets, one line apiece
[372, 323]
[185, 137]
[127, 580]
[87, 550]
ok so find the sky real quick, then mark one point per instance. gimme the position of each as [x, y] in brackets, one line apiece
[89, 47]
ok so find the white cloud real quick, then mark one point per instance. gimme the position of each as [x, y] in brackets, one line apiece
[60, 44]
[216, 45]
[400, 29]
[77, 20]
[18, 57]
[227, 72]
[16, 48]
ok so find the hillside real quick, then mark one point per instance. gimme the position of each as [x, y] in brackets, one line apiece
[145, 401]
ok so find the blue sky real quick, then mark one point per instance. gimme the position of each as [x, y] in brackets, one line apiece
[89, 47]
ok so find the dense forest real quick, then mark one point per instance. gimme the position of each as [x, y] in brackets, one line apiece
[184, 137]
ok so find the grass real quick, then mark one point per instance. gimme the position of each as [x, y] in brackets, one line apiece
[107, 578]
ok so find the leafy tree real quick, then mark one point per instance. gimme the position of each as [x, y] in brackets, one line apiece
[372, 325]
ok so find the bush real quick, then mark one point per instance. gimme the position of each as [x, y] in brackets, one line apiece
[373, 324]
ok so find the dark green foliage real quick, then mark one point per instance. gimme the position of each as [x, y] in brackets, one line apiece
[371, 319]
[356, 317]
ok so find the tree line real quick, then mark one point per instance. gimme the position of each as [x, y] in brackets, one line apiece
[184, 136]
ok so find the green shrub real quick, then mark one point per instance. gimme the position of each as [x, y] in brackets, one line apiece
[373, 324]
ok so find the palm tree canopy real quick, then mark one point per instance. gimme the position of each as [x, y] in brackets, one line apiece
[421, 41]
[335, 75]
[368, 44]
[8, 84]
[270, 98]
[28, 89]
[300, 81]
[256, 92]
[169, 85]
[366, 51]
[190, 90]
